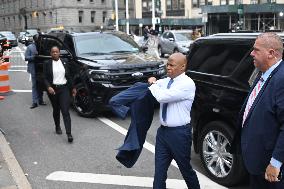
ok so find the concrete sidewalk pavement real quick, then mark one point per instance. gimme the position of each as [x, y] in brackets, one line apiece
[11, 174]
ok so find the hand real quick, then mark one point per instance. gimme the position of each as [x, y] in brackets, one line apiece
[51, 90]
[271, 173]
[152, 80]
[74, 92]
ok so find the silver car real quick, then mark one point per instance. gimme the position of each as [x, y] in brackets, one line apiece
[172, 41]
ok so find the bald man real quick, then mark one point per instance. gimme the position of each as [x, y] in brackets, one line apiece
[173, 141]
[262, 116]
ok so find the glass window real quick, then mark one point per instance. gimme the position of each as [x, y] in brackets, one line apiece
[194, 3]
[175, 4]
[169, 4]
[104, 16]
[93, 14]
[183, 36]
[81, 16]
[104, 43]
[223, 2]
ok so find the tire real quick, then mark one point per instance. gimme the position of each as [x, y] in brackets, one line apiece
[222, 167]
[83, 101]
[161, 54]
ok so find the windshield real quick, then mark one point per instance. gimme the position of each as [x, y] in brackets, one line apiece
[31, 32]
[183, 36]
[103, 43]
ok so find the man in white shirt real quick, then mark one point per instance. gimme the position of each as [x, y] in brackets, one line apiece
[173, 141]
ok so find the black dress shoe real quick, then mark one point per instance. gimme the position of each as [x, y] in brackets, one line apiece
[70, 138]
[42, 103]
[58, 130]
[34, 105]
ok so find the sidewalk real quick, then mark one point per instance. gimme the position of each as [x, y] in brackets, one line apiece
[11, 174]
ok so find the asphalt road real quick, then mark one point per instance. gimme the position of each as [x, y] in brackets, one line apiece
[51, 162]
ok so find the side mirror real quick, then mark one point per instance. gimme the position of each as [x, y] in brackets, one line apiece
[171, 39]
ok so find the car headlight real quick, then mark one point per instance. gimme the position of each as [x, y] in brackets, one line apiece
[98, 74]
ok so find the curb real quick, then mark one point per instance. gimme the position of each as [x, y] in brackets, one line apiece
[13, 165]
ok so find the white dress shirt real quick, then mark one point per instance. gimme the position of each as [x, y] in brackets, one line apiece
[58, 73]
[179, 97]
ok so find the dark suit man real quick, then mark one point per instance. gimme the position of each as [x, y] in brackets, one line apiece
[262, 116]
[58, 81]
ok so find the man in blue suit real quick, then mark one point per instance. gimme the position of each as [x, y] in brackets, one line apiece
[262, 116]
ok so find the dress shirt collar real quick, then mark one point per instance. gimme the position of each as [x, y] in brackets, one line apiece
[179, 77]
[267, 73]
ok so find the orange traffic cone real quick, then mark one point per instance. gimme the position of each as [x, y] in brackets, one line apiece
[4, 79]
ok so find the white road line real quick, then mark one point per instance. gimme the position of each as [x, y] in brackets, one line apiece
[18, 66]
[112, 179]
[17, 70]
[21, 52]
[21, 91]
[203, 180]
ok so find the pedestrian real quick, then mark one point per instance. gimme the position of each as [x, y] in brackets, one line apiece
[262, 116]
[59, 82]
[173, 141]
[30, 54]
[146, 33]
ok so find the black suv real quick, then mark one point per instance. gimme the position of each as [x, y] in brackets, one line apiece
[105, 63]
[223, 71]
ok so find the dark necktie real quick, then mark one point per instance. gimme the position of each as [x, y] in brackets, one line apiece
[165, 105]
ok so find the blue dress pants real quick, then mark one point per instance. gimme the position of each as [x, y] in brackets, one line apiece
[174, 143]
[36, 94]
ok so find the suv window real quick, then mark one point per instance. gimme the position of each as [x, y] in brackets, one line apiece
[46, 44]
[170, 35]
[218, 59]
[165, 35]
[105, 44]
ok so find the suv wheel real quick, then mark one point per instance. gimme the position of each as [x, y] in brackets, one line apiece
[222, 166]
[83, 101]
[161, 54]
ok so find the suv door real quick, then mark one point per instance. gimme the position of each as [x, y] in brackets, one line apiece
[221, 70]
[44, 45]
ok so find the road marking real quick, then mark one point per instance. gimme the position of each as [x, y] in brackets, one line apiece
[17, 70]
[21, 91]
[111, 179]
[18, 66]
[203, 180]
[21, 52]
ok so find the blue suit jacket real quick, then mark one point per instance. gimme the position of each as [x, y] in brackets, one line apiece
[140, 101]
[262, 135]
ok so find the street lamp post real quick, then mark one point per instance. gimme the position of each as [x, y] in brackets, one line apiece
[127, 17]
[153, 15]
[116, 15]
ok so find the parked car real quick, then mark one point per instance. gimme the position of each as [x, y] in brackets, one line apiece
[21, 37]
[172, 41]
[105, 63]
[10, 37]
[223, 71]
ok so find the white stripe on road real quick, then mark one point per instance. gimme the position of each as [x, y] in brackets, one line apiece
[17, 70]
[21, 52]
[21, 91]
[203, 180]
[111, 179]
[19, 66]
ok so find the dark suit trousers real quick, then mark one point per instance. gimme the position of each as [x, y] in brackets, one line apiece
[61, 102]
[174, 143]
[258, 182]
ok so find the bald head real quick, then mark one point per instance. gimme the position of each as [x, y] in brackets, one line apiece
[176, 65]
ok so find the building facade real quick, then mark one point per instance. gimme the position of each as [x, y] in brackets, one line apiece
[212, 16]
[73, 15]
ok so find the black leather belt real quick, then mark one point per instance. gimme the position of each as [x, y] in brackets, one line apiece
[59, 86]
[176, 127]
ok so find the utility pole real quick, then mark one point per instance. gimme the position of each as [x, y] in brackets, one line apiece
[153, 15]
[127, 17]
[116, 15]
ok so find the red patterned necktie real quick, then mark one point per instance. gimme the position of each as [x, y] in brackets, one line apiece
[252, 97]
